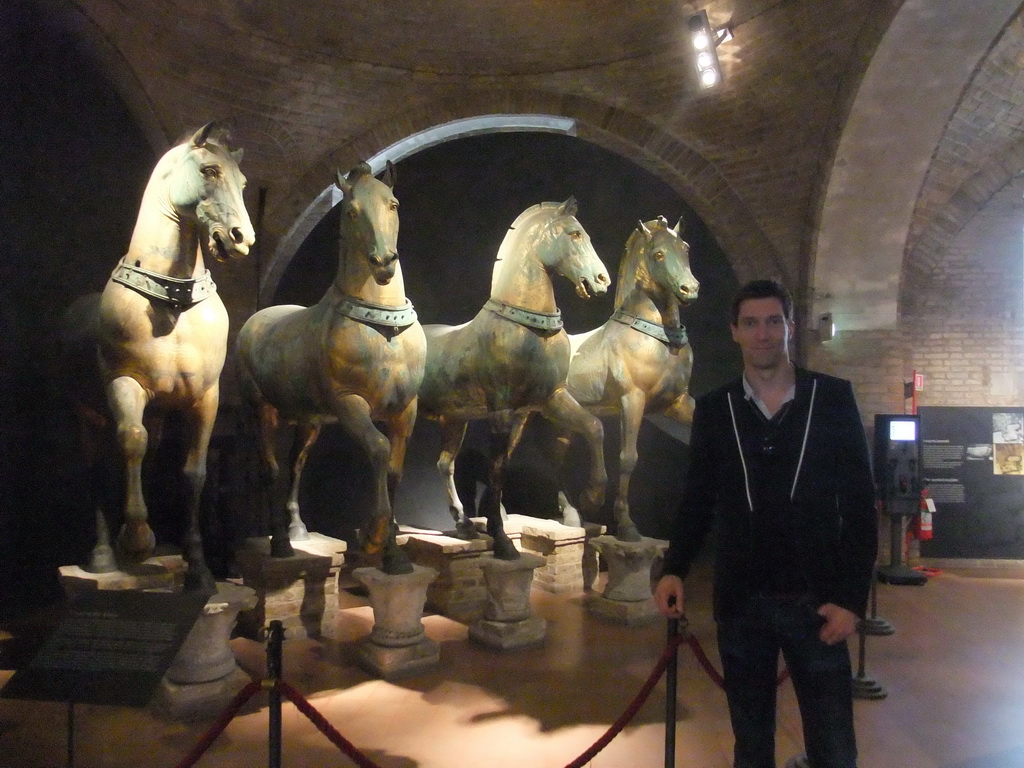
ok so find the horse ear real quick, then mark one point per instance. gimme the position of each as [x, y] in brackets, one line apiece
[201, 136]
[568, 208]
[342, 182]
[641, 227]
[390, 174]
[680, 226]
[237, 154]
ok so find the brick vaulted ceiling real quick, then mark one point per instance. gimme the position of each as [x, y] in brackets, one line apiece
[781, 162]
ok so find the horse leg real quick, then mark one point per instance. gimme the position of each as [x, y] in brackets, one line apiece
[128, 401]
[570, 515]
[353, 414]
[307, 435]
[562, 409]
[452, 434]
[506, 441]
[632, 405]
[394, 559]
[268, 418]
[201, 418]
[682, 410]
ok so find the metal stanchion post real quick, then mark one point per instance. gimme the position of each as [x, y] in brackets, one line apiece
[863, 686]
[873, 624]
[671, 680]
[274, 666]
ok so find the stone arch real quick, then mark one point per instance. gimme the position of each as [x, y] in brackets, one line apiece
[94, 44]
[631, 136]
[967, 200]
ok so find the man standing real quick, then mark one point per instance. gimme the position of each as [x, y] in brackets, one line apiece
[779, 465]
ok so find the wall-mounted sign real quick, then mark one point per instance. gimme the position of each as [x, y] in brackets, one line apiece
[973, 467]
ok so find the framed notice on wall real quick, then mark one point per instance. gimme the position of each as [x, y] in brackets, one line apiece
[973, 468]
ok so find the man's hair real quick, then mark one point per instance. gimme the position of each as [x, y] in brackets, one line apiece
[763, 289]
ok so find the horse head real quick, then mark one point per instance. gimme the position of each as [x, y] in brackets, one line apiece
[205, 183]
[566, 248]
[658, 262]
[369, 220]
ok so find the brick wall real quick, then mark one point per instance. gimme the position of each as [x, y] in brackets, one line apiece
[964, 330]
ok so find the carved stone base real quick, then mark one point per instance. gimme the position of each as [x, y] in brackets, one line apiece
[627, 596]
[300, 591]
[508, 635]
[391, 663]
[561, 546]
[163, 572]
[458, 592]
[397, 644]
[187, 702]
[620, 612]
[508, 622]
[205, 655]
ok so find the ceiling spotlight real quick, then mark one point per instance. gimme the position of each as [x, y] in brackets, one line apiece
[704, 40]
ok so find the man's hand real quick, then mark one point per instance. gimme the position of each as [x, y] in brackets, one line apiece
[839, 623]
[668, 596]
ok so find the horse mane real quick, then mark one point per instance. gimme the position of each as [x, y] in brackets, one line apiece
[522, 222]
[630, 260]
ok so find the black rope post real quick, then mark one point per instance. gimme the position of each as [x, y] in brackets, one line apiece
[863, 686]
[874, 624]
[71, 733]
[274, 666]
[671, 680]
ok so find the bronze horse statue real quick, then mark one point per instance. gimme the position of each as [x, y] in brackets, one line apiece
[512, 358]
[159, 331]
[354, 358]
[639, 361]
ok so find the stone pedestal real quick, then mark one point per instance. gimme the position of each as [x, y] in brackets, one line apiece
[398, 644]
[162, 572]
[560, 545]
[627, 597]
[458, 592]
[591, 565]
[508, 621]
[301, 591]
[204, 676]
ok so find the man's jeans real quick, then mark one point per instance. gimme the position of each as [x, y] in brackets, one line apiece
[749, 641]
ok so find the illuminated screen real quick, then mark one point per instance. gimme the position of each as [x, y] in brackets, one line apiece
[903, 430]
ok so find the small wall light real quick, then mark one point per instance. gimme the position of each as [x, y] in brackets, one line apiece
[704, 41]
[826, 327]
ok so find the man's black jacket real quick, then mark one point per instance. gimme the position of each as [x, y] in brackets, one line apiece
[834, 523]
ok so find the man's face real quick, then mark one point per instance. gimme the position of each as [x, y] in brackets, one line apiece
[763, 333]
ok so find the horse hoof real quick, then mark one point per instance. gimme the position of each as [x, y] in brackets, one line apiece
[136, 541]
[281, 546]
[101, 560]
[200, 580]
[628, 533]
[395, 562]
[466, 530]
[298, 532]
[504, 549]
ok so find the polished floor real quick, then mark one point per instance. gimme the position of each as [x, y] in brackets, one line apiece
[953, 672]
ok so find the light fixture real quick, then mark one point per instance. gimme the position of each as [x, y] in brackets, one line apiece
[704, 41]
[826, 327]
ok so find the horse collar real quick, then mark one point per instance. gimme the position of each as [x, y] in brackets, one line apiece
[175, 291]
[377, 314]
[674, 337]
[541, 321]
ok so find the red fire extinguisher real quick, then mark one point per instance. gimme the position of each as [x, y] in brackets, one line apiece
[923, 525]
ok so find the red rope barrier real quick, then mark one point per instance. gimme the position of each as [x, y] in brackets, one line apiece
[631, 710]
[328, 730]
[361, 760]
[220, 724]
[714, 674]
